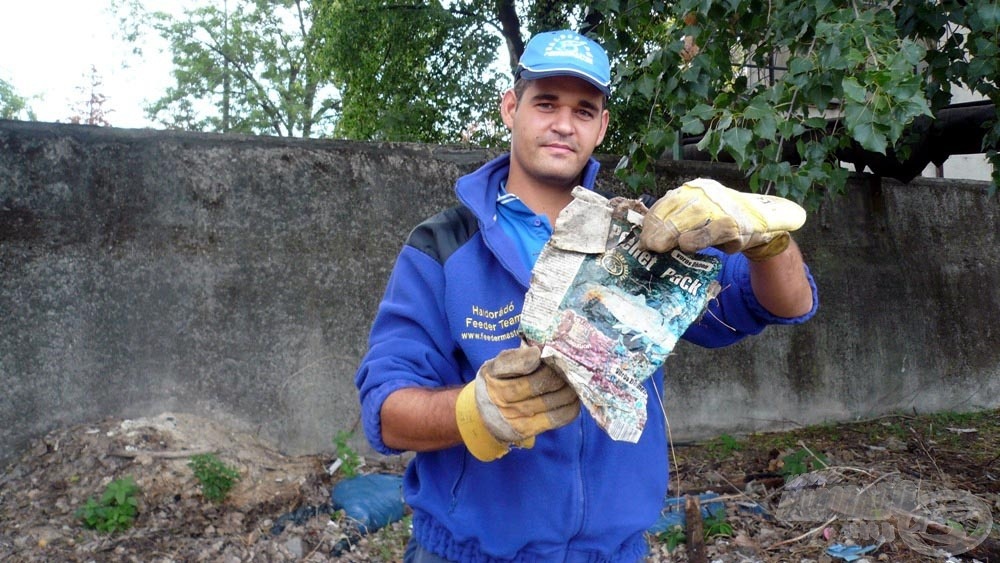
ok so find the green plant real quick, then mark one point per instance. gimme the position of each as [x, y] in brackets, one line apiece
[803, 460]
[214, 476]
[391, 540]
[884, 69]
[350, 460]
[724, 445]
[116, 510]
[716, 526]
[673, 537]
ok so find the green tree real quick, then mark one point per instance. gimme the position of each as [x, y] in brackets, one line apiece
[413, 70]
[245, 66]
[856, 75]
[13, 105]
[851, 76]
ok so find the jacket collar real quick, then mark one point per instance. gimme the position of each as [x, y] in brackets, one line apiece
[478, 191]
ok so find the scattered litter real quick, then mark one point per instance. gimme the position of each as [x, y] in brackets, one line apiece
[333, 467]
[850, 552]
[808, 481]
[754, 508]
[372, 501]
[298, 517]
[673, 511]
[369, 501]
[963, 430]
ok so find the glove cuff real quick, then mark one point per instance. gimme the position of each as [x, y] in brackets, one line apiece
[481, 443]
[769, 249]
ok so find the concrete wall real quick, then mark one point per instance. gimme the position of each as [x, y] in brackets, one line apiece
[237, 277]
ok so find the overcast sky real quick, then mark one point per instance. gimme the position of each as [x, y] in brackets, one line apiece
[47, 48]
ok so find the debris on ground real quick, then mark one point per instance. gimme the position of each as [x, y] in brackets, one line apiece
[281, 509]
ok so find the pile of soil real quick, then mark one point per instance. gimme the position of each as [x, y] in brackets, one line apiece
[279, 509]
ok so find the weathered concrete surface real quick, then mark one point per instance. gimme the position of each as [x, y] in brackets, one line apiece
[909, 281]
[236, 277]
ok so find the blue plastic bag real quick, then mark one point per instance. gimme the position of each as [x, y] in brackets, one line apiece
[373, 501]
[849, 552]
[673, 512]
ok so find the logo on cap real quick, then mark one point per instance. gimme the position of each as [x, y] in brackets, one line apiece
[569, 45]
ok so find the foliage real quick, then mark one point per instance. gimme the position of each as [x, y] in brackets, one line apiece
[848, 75]
[436, 86]
[716, 526]
[713, 526]
[116, 510]
[802, 460]
[673, 537]
[350, 460]
[724, 445]
[874, 67]
[390, 541]
[247, 66]
[13, 105]
[215, 477]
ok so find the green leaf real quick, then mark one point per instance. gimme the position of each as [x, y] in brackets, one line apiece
[830, 57]
[646, 86]
[988, 14]
[766, 127]
[866, 135]
[692, 125]
[757, 109]
[711, 142]
[702, 111]
[799, 65]
[656, 137]
[725, 120]
[816, 122]
[853, 91]
[912, 53]
[736, 141]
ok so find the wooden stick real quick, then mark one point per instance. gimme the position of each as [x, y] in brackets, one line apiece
[163, 454]
[815, 530]
[695, 530]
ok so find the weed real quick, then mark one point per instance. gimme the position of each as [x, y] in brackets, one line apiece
[116, 510]
[673, 537]
[777, 441]
[802, 461]
[950, 418]
[713, 526]
[716, 526]
[350, 460]
[216, 478]
[724, 445]
[896, 430]
[392, 539]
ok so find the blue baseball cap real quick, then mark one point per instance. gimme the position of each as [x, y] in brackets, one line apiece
[565, 53]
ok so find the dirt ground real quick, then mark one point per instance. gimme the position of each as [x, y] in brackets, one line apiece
[279, 511]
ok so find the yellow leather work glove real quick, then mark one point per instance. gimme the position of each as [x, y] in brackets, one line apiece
[703, 213]
[513, 398]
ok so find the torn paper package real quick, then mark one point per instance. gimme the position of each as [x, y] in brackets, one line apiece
[607, 311]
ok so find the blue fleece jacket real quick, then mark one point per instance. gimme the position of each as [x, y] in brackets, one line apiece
[452, 302]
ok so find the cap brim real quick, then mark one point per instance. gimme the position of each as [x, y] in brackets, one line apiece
[539, 74]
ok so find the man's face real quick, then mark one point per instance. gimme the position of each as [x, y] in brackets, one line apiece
[554, 128]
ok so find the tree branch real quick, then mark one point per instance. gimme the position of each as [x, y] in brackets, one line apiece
[510, 28]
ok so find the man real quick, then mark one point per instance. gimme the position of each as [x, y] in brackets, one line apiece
[507, 466]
